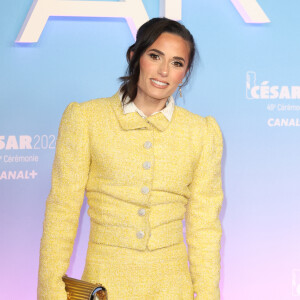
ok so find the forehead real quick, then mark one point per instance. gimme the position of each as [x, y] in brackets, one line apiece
[171, 44]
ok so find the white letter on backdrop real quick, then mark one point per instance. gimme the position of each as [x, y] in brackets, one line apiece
[170, 9]
[250, 11]
[132, 10]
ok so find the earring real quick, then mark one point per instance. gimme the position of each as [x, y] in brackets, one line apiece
[180, 92]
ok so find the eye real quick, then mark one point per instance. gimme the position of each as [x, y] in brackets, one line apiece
[154, 56]
[177, 63]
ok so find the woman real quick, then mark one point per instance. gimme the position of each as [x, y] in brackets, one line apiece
[145, 164]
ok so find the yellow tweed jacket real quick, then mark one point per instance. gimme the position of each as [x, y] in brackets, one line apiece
[132, 167]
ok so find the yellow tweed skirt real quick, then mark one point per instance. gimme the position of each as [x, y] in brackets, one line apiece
[161, 274]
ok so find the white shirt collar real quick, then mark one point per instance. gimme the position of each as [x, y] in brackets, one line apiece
[167, 111]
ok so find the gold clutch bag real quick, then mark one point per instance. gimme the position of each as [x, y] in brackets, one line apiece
[82, 290]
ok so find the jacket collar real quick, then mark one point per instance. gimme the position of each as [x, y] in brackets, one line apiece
[134, 121]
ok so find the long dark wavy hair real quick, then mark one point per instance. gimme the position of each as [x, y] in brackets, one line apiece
[146, 36]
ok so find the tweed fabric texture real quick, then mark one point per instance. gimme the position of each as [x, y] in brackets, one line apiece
[102, 151]
[131, 274]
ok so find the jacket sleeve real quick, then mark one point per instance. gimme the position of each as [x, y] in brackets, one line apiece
[203, 228]
[69, 177]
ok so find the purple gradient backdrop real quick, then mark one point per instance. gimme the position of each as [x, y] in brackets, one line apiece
[80, 59]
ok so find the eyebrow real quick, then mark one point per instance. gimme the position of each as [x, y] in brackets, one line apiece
[161, 53]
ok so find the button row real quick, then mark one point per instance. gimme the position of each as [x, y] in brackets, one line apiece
[145, 190]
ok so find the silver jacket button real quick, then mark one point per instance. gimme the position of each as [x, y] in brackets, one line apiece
[140, 234]
[147, 165]
[141, 212]
[145, 190]
[147, 144]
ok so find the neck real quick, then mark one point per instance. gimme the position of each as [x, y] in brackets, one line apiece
[149, 105]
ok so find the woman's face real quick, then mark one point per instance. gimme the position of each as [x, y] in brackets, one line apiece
[163, 67]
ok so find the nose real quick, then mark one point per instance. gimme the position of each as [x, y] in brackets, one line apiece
[163, 69]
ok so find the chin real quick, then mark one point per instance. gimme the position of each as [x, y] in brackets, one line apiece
[159, 95]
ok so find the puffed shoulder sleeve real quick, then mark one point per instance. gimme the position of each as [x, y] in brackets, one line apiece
[69, 177]
[203, 228]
